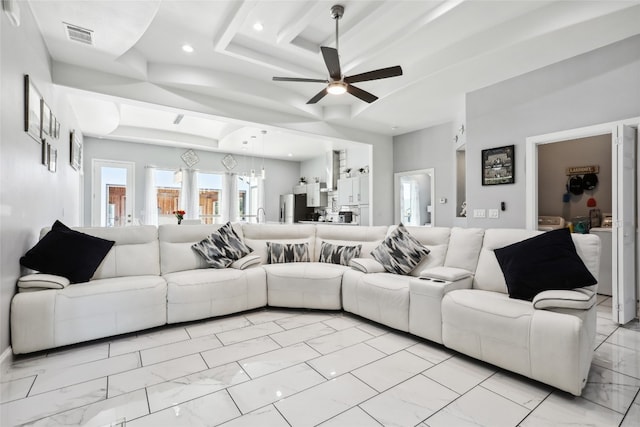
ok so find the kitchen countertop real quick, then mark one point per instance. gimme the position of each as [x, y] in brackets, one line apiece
[327, 222]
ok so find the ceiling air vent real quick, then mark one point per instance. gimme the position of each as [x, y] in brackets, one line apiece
[79, 34]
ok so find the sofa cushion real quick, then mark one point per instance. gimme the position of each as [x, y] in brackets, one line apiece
[68, 253]
[367, 265]
[39, 281]
[287, 252]
[578, 299]
[222, 247]
[337, 254]
[305, 285]
[400, 252]
[544, 262]
[447, 274]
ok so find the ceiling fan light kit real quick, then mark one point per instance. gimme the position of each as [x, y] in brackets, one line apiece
[337, 88]
[338, 84]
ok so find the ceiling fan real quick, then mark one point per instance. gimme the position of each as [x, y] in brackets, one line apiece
[337, 83]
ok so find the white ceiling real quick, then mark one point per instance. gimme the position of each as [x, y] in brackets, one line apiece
[446, 49]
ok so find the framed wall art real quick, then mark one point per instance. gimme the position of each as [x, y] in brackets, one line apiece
[46, 150]
[75, 148]
[498, 165]
[45, 119]
[53, 159]
[32, 100]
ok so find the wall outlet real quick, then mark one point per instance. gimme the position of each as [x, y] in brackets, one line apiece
[494, 213]
[479, 213]
[443, 200]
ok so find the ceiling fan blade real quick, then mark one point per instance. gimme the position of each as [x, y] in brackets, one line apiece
[318, 96]
[296, 79]
[332, 60]
[382, 73]
[362, 94]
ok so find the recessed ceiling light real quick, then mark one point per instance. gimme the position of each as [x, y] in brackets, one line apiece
[258, 26]
[289, 155]
[187, 48]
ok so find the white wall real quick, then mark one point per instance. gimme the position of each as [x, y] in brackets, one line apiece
[553, 159]
[281, 175]
[431, 148]
[31, 197]
[597, 87]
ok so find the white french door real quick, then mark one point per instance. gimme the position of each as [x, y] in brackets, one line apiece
[112, 198]
[625, 223]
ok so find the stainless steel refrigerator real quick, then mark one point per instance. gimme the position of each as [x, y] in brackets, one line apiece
[293, 208]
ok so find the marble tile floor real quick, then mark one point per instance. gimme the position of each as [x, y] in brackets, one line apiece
[278, 367]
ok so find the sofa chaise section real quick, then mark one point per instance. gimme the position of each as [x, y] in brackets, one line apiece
[549, 339]
[125, 294]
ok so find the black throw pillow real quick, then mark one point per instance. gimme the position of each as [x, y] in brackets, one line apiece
[67, 253]
[544, 262]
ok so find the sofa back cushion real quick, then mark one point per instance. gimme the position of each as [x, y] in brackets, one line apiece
[176, 253]
[347, 235]
[135, 252]
[436, 239]
[256, 237]
[489, 275]
[464, 248]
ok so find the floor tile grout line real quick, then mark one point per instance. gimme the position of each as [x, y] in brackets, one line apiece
[282, 415]
[624, 416]
[67, 409]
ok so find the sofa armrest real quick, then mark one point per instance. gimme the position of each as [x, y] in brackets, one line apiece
[446, 274]
[246, 262]
[367, 265]
[39, 281]
[578, 299]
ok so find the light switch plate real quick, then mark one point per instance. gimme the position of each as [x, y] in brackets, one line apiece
[479, 213]
[494, 213]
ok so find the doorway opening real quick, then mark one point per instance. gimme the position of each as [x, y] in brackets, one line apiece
[112, 193]
[623, 141]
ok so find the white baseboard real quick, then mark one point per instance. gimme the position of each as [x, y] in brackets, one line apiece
[6, 358]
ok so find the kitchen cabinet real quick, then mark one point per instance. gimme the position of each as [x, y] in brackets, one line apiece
[315, 197]
[353, 191]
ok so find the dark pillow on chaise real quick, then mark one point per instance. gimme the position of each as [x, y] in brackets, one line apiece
[67, 253]
[544, 262]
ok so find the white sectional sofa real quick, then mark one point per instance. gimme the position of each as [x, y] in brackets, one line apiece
[456, 296]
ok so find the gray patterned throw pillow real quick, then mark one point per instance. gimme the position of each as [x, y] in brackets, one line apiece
[287, 252]
[222, 247]
[400, 252]
[336, 254]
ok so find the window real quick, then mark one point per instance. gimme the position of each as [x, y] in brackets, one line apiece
[248, 198]
[210, 189]
[168, 187]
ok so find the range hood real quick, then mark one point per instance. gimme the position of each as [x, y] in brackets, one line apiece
[332, 169]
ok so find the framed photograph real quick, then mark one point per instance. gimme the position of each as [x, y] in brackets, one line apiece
[75, 150]
[46, 150]
[53, 159]
[32, 100]
[57, 128]
[498, 165]
[45, 119]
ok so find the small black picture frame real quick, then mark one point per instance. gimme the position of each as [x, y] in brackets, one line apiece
[499, 165]
[32, 109]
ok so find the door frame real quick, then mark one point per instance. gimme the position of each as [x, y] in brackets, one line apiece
[397, 191]
[96, 202]
[531, 165]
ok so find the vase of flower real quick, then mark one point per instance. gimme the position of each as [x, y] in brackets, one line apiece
[180, 215]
